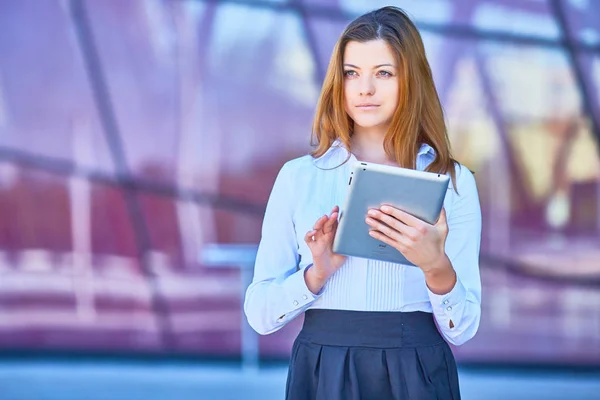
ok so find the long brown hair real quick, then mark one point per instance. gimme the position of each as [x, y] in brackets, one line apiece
[419, 117]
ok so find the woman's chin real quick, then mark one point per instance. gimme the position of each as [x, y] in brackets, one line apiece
[369, 123]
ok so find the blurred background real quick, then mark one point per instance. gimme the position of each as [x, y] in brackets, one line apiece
[139, 141]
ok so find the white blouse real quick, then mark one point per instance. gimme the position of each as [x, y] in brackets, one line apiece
[308, 188]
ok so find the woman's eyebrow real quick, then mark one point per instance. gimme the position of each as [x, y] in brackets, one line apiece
[384, 65]
[377, 66]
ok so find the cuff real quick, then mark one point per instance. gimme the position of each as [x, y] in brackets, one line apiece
[450, 303]
[298, 296]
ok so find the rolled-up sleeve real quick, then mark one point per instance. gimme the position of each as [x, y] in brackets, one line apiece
[278, 292]
[458, 312]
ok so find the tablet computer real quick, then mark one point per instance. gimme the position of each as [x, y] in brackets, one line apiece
[418, 193]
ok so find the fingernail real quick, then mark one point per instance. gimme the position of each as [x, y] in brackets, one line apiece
[372, 213]
[385, 209]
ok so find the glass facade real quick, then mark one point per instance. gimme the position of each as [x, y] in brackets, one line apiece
[137, 136]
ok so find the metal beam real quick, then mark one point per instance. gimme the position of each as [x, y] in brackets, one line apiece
[68, 168]
[93, 67]
[311, 40]
[580, 79]
[450, 30]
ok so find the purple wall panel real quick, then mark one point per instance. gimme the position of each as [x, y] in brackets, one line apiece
[207, 102]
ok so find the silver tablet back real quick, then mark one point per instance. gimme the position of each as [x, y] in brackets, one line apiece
[418, 193]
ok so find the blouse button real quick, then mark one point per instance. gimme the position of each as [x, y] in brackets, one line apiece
[295, 303]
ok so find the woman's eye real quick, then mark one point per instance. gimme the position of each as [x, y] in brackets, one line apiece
[385, 73]
[350, 73]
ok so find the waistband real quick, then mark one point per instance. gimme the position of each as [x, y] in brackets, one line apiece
[379, 329]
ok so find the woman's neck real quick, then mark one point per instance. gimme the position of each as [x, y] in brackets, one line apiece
[367, 145]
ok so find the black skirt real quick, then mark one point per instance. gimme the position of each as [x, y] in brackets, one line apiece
[357, 355]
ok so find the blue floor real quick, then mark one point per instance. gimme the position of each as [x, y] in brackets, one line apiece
[103, 380]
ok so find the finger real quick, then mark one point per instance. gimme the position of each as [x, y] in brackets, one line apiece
[394, 235]
[383, 228]
[320, 222]
[401, 215]
[334, 230]
[328, 227]
[395, 224]
[313, 236]
[310, 236]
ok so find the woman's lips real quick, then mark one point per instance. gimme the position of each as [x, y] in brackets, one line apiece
[367, 106]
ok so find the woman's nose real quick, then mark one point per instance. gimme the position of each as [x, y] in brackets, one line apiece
[367, 88]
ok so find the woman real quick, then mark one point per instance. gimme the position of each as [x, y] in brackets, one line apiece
[372, 330]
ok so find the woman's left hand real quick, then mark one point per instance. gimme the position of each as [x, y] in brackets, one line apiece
[421, 243]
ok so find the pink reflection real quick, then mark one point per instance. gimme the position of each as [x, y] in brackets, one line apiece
[205, 107]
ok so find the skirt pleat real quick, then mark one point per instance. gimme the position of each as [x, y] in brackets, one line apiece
[355, 355]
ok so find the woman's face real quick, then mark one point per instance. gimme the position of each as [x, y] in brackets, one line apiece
[370, 83]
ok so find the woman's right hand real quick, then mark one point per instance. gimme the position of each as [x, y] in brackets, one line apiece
[320, 242]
